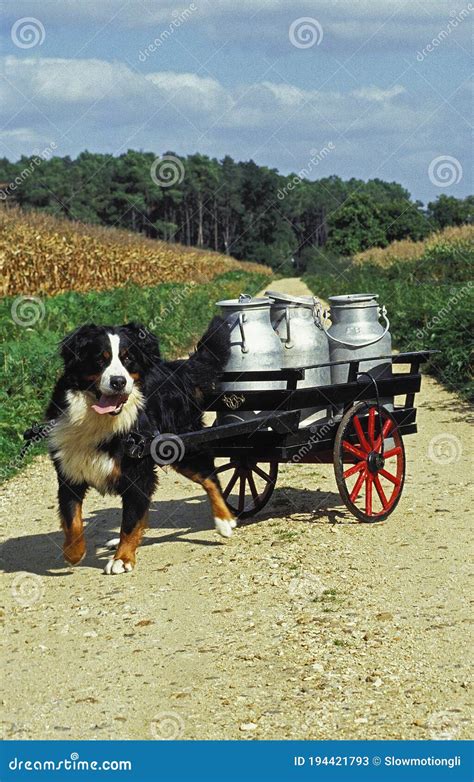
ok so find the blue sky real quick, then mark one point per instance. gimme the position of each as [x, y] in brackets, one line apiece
[385, 82]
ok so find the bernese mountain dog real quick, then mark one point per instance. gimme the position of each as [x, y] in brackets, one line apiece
[115, 381]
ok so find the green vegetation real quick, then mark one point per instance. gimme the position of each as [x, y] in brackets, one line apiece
[177, 312]
[239, 208]
[430, 300]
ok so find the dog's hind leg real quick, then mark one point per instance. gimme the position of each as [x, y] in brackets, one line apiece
[134, 522]
[70, 497]
[202, 471]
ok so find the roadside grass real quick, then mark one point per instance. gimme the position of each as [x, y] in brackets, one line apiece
[430, 303]
[177, 312]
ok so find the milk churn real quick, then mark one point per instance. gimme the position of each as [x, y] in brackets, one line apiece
[356, 332]
[297, 321]
[254, 346]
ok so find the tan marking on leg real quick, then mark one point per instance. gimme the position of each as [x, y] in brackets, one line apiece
[218, 505]
[74, 547]
[129, 542]
[219, 508]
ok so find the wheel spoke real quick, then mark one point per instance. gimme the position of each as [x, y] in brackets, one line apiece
[358, 485]
[393, 452]
[353, 470]
[353, 450]
[368, 494]
[360, 434]
[242, 492]
[380, 492]
[390, 477]
[231, 484]
[262, 473]
[371, 429]
[224, 468]
[385, 430]
[253, 488]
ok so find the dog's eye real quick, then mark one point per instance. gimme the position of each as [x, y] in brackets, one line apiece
[125, 359]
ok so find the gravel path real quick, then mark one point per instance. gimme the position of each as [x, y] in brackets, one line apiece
[304, 625]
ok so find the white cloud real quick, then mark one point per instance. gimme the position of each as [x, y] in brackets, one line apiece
[109, 106]
[190, 91]
[85, 91]
[379, 95]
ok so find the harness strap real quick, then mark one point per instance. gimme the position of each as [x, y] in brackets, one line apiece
[35, 434]
[136, 445]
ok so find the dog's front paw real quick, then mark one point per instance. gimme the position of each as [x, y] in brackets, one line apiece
[74, 551]
[224, 527]
[115, 567]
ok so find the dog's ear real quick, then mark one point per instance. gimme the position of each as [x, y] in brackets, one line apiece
[73, 346]
[145, 344]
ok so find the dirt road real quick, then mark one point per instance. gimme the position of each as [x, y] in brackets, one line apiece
[304, 625]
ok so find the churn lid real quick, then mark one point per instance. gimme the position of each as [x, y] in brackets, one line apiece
[353, 298]
[303, 301]
[244, 301]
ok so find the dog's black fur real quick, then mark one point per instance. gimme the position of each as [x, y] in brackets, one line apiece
[171, 401]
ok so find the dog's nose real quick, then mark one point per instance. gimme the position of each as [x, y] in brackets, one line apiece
[117, 382]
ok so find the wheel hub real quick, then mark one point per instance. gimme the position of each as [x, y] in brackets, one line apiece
[375, 461]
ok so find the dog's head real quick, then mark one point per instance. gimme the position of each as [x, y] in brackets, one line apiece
[107, 362]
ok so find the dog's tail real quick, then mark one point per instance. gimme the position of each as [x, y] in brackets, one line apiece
[212, 352]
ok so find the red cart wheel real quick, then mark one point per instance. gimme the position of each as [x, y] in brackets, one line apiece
[369, 477]
[249, 487]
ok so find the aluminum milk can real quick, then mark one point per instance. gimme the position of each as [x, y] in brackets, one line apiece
[356, 332]
[254, 346]
[297, 321]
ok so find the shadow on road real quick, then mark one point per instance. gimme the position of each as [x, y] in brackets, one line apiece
[178, 520]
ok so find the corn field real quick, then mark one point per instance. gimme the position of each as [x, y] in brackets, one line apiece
[41, 254]
[453, 240]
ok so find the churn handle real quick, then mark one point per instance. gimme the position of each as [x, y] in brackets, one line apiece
[243, 347]
[383, 312]
[288, 342]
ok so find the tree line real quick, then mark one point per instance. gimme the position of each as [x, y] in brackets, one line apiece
[248, 211]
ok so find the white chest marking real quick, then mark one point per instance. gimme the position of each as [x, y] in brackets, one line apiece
[78, 432]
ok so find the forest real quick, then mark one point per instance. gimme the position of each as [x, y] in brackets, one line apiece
[239, 208]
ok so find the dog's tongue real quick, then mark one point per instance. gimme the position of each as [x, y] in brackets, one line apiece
[109, 404]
